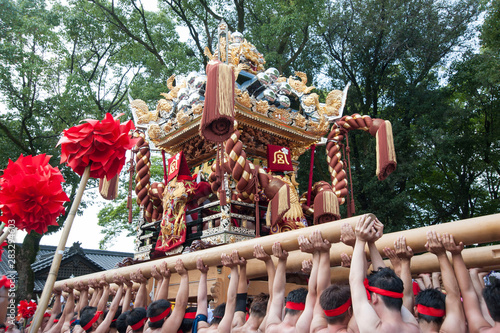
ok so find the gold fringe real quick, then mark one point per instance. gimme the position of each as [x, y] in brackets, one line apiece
[330, 202]
[390, 142]
[377, 152]
[225, 90]
[105, 186]
[284, 203]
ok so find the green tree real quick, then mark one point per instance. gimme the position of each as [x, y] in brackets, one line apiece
[391, 52]
[66, 63]
[282, 30]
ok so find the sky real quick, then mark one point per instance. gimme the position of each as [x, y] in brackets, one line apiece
[86, 231]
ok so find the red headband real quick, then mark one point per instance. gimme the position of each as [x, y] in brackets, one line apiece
[190, 315]
[295, 306]
[46, 314]
[338, 311]
[93, 320]
[380, 291]
[56, 321]
[428, 311]
[139, 324]
[160, 316]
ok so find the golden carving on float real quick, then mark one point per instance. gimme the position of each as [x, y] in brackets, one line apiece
[300, 121]
[182, 118]
[261, 106]
[300, 85]
[282, 115]
[332, 105]
[245, 100]
[164, 106]
[144, 116]
[197, 109]
[173, 89]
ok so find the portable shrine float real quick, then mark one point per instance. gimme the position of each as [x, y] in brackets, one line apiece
[234, 136]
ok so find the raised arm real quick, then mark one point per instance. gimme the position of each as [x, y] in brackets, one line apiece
[321, 250]
[405, 253]
[56, 309]
[376, 258]
[478, 287]
[101, 306]
[96, 296]
[84, 296]
[259, 253]
[231, 262]
[367, 317]
[173, 322]
[202, 289]
[472, 308]
[164, 272]
[395, 261]
[241, 296]
[274, 315]
[455, 318]
[104, 325]
[157, 281]
[142, 293]
[67, 312]
[128, 284]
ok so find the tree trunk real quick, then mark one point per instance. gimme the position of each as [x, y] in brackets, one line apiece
[25, 256]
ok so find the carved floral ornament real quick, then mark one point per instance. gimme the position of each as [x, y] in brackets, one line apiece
[262, 91]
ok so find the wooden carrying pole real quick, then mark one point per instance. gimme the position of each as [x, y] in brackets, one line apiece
[470, 231]
[487, 257]
[54, 269]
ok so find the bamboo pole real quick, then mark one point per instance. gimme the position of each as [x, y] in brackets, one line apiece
[482, 229]
[56, 262]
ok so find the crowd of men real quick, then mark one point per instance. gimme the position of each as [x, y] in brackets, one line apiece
[380, 300]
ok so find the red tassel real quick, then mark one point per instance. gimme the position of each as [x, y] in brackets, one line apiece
[217, 121]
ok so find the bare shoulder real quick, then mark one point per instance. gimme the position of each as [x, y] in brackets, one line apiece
[398, 328]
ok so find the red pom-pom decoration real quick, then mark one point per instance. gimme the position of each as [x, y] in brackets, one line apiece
[5, 282]
[27, 310]
[31, 194]
[4, 244]
[100, 144]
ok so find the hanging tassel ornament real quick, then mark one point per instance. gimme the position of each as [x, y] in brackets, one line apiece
[217, 120]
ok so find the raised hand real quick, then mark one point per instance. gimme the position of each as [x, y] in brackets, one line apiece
[305, 245]
[164, 271]
[67, 289]
[365, 229]
[138, 277]
[179, 267]
[403, 251]
[80, 286]
[201, 266]
[450, 245]
[307, 266]
[393, 257]
[347, 235]
[345, 260]
[155, 274]
[320, 244]
[102, 282]
[118, 279]
[259, 253]
[93, 283]
[434, 244]
[379, 227]
[278, 251]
